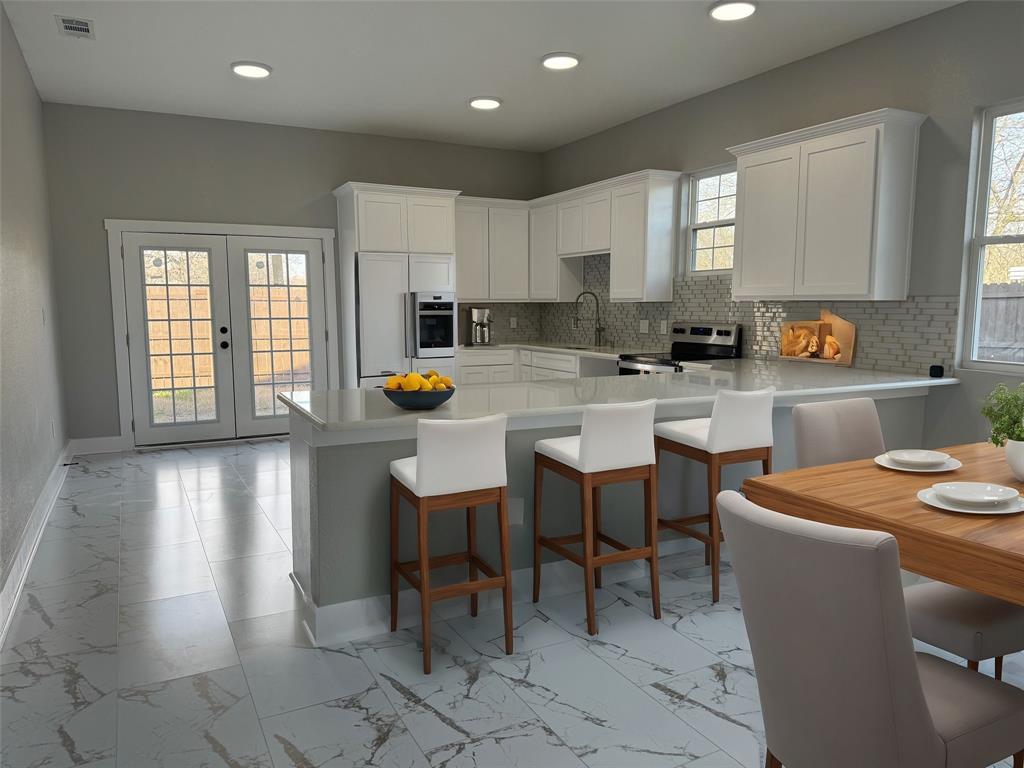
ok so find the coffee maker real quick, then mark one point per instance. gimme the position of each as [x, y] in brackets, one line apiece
[478, 326]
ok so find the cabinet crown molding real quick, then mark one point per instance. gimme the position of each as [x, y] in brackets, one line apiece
[604, 184]
[491, 202]
[365, 186]
[875, 117]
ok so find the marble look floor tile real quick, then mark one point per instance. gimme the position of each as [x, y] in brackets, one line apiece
[634, 643]
[463, 713]
[686, 607]
[717, 760]
[286, 672]
[202, 720]
[362, 729]
[158, 527]
[273, 483]
[257, 585]
[80, 488]
[606, 720]
[161, 572]
[74, 521]
[68, 618]
[278, 508]
[59, 711]
[720, 702]
[210, 478]
[229, 537]
[531, 629]
[147, 496]
[80, 470]
[66, 561]
[251, 464]
[286, 537]
[223, 502]
[164, 639]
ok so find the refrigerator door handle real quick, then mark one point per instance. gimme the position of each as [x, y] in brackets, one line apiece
[405, 326]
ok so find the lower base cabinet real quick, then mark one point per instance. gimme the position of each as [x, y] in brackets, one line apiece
[486, 374]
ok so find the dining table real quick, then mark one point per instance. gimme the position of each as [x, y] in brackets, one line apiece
[981, 552]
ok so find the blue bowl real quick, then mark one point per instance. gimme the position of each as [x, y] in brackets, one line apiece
[418, 401]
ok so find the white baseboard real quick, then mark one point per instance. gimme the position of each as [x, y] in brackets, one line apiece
[11, 591]
[369, 616]
[82, 446]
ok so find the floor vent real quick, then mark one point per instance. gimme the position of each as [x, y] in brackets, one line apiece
[72, 26]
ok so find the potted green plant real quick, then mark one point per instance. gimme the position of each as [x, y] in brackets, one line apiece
[1004, 408]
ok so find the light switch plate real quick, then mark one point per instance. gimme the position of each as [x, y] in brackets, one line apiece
[516, 513]
[645, 326]
[512, 323]
[664, 327]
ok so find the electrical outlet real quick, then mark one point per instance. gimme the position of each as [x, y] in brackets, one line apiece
[663, 328]
[645, 326]
[512, 322]
[575, 324]
[516, 510]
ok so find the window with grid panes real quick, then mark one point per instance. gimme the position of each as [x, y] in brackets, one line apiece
[712, 215]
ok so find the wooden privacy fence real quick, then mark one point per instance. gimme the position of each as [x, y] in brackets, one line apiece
[1001, 323]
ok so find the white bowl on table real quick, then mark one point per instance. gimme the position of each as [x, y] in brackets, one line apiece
[976, 494]
[917, 457]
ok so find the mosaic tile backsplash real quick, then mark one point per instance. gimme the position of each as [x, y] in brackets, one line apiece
[903, 336]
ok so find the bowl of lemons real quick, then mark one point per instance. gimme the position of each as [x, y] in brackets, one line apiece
[415, 391]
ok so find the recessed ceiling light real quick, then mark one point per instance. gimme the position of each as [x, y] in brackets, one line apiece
[732, 10]
[561, 60]
[251, 69]
[485, 103]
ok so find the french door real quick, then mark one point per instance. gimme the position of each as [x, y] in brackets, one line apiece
[217, 328]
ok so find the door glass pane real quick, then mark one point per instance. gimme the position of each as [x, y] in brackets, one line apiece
[179, 335]
[279, 323]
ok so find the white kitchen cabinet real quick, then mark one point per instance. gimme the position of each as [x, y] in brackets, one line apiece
[384, 288]
[552, 278]
[643, 224]
[597, 222]
[570, 226]
[502, 374]
[429, 272]
[827, 212]
[472, 253]
[766, 223]
[431, 223]
[445, 366]
[509, 241]
[382, 221]
[474, 374]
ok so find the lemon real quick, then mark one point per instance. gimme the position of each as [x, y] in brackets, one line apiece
[439, 386]
[431, 374]
[409, 384]
[433, 379]
[393, 382]
[446, 380]
[425, 385]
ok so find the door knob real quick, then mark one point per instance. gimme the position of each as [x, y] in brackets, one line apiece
[224, 345]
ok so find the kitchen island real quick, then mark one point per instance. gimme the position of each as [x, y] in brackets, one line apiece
[342, 442]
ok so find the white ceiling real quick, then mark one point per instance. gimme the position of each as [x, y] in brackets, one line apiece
[408, 68]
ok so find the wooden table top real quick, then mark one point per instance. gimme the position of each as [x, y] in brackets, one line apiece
[981, 552]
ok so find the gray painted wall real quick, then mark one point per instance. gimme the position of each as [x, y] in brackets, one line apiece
[945, 65]
[106, 163]
[31, 414]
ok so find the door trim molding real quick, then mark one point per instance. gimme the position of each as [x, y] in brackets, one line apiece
[117, 227]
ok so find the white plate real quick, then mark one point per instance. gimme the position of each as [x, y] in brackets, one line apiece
[932, 499]
[976, 494]
[885, 461]
[915, 457]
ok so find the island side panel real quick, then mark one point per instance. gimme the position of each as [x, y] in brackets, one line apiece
[305, 534]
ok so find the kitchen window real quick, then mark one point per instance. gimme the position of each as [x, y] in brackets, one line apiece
[712, 216]
[996, 319]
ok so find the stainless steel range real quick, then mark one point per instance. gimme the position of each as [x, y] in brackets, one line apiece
[695, 346]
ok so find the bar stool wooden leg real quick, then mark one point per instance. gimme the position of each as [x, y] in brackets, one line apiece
[597, 530]
[766, 462]
[395, 501]
[973, 665]
[999, 667]
[714, 528]
[471, 547]
[424, 561]
[651, 536]
[587, 502]
[771, 761]
[538, 478]
[506, 567]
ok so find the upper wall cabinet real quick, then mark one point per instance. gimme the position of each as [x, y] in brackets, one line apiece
[492, 252]
[388, 219]
[827, 212]
[552, 278]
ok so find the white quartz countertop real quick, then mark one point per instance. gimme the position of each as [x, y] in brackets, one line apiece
[366, 415]
[605, 352]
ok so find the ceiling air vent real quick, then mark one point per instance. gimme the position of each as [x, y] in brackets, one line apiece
[72, 26]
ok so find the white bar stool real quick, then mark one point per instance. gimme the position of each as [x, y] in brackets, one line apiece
[739, 430]
[615, 445]
[457, 464]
